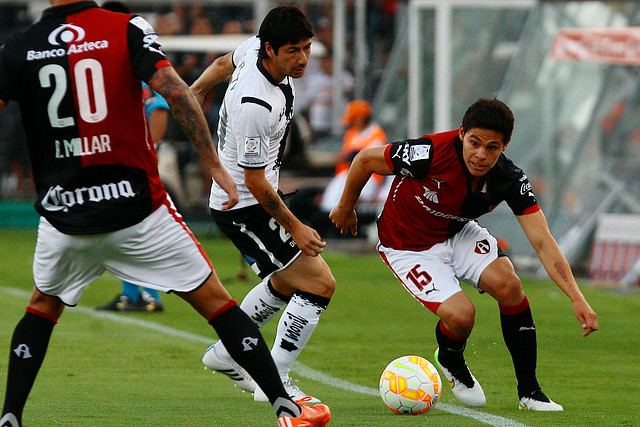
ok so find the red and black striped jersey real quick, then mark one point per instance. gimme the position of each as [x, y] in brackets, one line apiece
[431, 197]
[76, 75]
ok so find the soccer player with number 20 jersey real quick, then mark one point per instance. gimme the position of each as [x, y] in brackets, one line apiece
[430, 240]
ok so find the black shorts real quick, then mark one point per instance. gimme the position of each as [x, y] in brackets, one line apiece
[262, 241]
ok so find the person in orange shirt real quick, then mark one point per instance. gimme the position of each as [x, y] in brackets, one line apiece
[362, 133]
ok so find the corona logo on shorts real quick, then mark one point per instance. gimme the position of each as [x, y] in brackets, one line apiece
[482, 247]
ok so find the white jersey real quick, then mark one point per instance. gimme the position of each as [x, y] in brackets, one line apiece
[254, 122]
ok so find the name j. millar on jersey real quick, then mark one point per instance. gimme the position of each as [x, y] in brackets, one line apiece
[82, 146]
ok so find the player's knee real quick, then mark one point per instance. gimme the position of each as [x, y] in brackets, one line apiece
[510, 291]
[327, 285]
[461, 322]
[49, 305]
[322, 279]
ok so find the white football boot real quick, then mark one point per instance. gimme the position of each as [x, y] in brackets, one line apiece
[292, 390]
[240, 377]
[9, 420]
[471, 395]
[538, 401]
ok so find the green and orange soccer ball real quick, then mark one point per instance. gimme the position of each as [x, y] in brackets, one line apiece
[410, 385]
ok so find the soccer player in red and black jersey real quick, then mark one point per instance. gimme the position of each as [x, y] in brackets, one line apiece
[76, 76]
[430, 240]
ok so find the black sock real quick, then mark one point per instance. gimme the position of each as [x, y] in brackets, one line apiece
[245, 344]
[519, 332]
[451, 352]
[28, 348]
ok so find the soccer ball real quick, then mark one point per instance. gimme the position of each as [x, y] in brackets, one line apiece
[410, 385]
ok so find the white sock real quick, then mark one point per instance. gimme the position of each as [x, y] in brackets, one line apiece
[261, 304]
[296, 325]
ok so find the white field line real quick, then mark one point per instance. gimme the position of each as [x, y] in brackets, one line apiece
[300, 369]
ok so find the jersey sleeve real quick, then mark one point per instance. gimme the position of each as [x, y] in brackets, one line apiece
[253, 138]
[144, 48]
[236, 56]
[520, 197]
[250, 43]
[412, 157]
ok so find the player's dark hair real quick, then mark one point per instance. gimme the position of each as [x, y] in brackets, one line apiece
[283, 24]
[115, 6]
[491, 114]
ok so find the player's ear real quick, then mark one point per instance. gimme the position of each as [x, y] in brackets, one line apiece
[269, 49]
[504, 146]
[461, 132]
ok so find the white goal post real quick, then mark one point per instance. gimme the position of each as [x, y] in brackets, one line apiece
[443, 47]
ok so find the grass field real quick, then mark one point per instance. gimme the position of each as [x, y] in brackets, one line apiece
[145, 369]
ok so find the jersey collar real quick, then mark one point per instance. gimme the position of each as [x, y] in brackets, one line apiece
[68, 9]
[458, 145]
[266, 74]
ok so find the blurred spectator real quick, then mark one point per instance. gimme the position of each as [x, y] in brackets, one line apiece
[232, 27]
[180, 13]
[15, 172]
[319, 90]
[317, 87]
[324, 32]
[191, 65]
[168, 25]
[196, 11]
[362, 133]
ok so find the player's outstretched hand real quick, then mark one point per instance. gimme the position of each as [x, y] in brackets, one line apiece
[345, 220]
[586, 316]
[224, 180]
[308, 240]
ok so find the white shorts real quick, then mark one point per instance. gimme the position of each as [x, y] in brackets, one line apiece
[160, 252]
[433, 275]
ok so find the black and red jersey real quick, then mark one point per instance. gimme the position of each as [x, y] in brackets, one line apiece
[431, 197]
[76, 74]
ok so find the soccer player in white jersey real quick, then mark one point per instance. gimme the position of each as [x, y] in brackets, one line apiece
[254, 121]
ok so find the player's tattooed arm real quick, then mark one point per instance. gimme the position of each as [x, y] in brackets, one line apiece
[307, 239]
[187, 112]
[274, 205]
